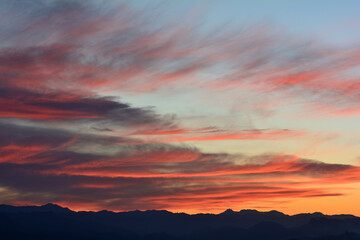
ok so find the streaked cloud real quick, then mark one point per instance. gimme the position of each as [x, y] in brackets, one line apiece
[67, 137]
[45, 163]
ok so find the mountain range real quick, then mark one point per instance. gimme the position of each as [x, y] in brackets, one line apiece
[52, 221]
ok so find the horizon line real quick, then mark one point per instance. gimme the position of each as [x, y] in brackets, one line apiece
[174, 212]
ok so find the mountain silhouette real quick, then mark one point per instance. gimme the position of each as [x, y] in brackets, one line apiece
[52, 221]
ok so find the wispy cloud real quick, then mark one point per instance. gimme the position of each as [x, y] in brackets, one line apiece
[63, 134]
[77, 47]
[46, 163]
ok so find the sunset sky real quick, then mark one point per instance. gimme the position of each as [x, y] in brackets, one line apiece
[188, 106]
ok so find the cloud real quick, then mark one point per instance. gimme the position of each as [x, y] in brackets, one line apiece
[60, 59]
[144, 190]
[77, 47]
[242, 135]
[21, 103]
[87, 46]
[214, 134]
[44, 165]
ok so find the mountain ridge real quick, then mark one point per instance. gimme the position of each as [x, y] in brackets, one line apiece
[51, 221]
[57, 207]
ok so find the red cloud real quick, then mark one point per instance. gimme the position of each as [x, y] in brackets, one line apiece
[177, 177]
[88, 53]
[215, 134]
[245, 135]
[59, 73]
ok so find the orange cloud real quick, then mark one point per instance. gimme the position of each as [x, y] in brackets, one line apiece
[49, 169]
[54, 79]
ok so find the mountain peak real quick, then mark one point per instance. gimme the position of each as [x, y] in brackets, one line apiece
[276, 213]
[54, 208]
[228, 211]
[319, 214]
[51, 205]
[247, 211]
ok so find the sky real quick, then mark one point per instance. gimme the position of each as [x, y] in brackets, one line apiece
[188, 106]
